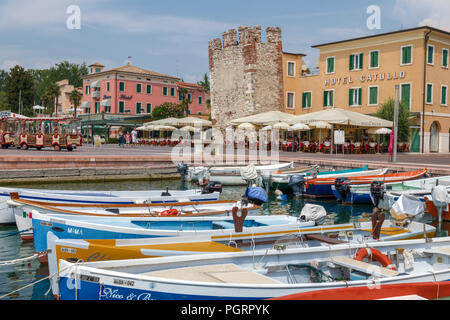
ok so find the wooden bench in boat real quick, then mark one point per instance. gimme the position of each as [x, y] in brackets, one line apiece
[218, 273]
[363, 267]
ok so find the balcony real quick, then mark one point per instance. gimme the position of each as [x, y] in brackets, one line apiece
[95, 94]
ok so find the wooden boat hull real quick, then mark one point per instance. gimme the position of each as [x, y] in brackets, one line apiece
[426, 290]
[228, 276]
[112, 197]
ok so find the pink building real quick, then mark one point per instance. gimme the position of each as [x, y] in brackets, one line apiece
[133, 90]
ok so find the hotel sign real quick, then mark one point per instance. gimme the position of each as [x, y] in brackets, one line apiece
[374, 77]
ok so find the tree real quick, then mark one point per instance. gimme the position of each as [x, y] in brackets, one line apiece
[20, 86]
[167, 110]
[75, 98]
[183, 92]
[205, 82]
[386, 111]
[51, 94]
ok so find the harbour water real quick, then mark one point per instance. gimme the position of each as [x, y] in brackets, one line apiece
[31, 275]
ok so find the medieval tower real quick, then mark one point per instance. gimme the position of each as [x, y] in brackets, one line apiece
[246, 74]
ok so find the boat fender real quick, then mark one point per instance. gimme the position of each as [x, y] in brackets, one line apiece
[168, 213]
[375, 254]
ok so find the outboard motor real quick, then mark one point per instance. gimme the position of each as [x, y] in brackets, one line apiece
[166, 193]
[342, 185]
[376, 192]
[182, 168]
[212, 186]
[255, 195]
[297, 184]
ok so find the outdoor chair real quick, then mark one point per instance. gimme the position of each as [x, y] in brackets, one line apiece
[357, 148]
[326, 147]
[372, 147]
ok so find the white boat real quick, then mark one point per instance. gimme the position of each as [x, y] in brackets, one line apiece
[93, 196]
[259, 274]
[231, 175]
[22, 210]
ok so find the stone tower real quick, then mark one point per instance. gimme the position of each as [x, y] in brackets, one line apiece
[246, 74]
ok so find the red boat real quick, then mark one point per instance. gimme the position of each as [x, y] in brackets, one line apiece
[433, 210]
[426, 290]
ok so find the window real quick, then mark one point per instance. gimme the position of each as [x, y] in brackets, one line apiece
[445, 58]
[149, 89]
[406, 94]
[374, 59]
[121, 86]
[306, 99]
[373, 96]
[172, 92]
[354, 96]
[429, 98]
[330, 65]
[291, 69]
[138, 107]
[328, 98]
[189, 97]
[149, 107]
[121, 106]
[88, 89]
[97, 70]
[199, 100]
[290, 96]
[444, 95]
[107, 86]
[164, 91]
[406, 55]
[138, 88]
[356, 61]
[430, 54]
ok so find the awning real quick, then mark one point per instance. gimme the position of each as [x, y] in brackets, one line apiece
[95, 84]
[86, 105]
[106, 103]
[264, 119]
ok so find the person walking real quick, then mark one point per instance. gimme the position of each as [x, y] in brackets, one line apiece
[121, 139]
[127, 138]
[134, 137]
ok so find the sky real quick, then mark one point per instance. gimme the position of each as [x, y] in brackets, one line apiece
[172, 36]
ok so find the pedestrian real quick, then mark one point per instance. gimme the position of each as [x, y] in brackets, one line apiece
[134, 137]
[127, 138]
[121, 139]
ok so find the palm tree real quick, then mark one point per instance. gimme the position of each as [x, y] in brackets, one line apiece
[54, 92]
[75, 98]
[183, 92]
[205, 82]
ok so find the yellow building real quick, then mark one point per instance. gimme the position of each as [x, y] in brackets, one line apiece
[360, 74]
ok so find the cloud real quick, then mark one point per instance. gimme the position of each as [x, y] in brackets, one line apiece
[433, 13]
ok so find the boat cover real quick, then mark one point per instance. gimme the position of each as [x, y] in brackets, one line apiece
[407, 206]
[313, 212]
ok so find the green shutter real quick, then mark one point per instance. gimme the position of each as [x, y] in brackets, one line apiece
[350, 97]
[406, 55]
[359, 96]
[121, 86]
[430, 54]
[361, 60]
[374, 59]
[138, 88]
[121, 106]
[308, 99]
[325, 98]
[406, 93]
[304, 100]
[107, 86]
[429, 93]
[165, 91]
[149, 89]
[443, 95]
[330, 65]
[352, 59]
[331, 98]
[373, 95]
[138, 107]
[149, 107]
[445, 58]
[172, 92]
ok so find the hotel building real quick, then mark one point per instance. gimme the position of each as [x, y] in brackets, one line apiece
[135, 91]
[360, 74]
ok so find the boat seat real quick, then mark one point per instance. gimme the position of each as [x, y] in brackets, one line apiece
[363, 267]
[224, 224]
[218, 273]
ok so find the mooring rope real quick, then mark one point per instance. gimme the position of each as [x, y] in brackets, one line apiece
[14, 233]
[20, 260]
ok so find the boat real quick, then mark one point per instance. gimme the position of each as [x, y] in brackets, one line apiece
[432, 210]
[360, 194]
[259, 274]
[401, 291]
[22, 210]
[93, 196]
[322, 187]
[257, 230]
[231, 175]
[280, 180]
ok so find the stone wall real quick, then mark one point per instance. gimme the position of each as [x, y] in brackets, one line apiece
[245, 73]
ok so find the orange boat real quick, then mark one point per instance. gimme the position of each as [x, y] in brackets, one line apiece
[321, 187]
[433, 210]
